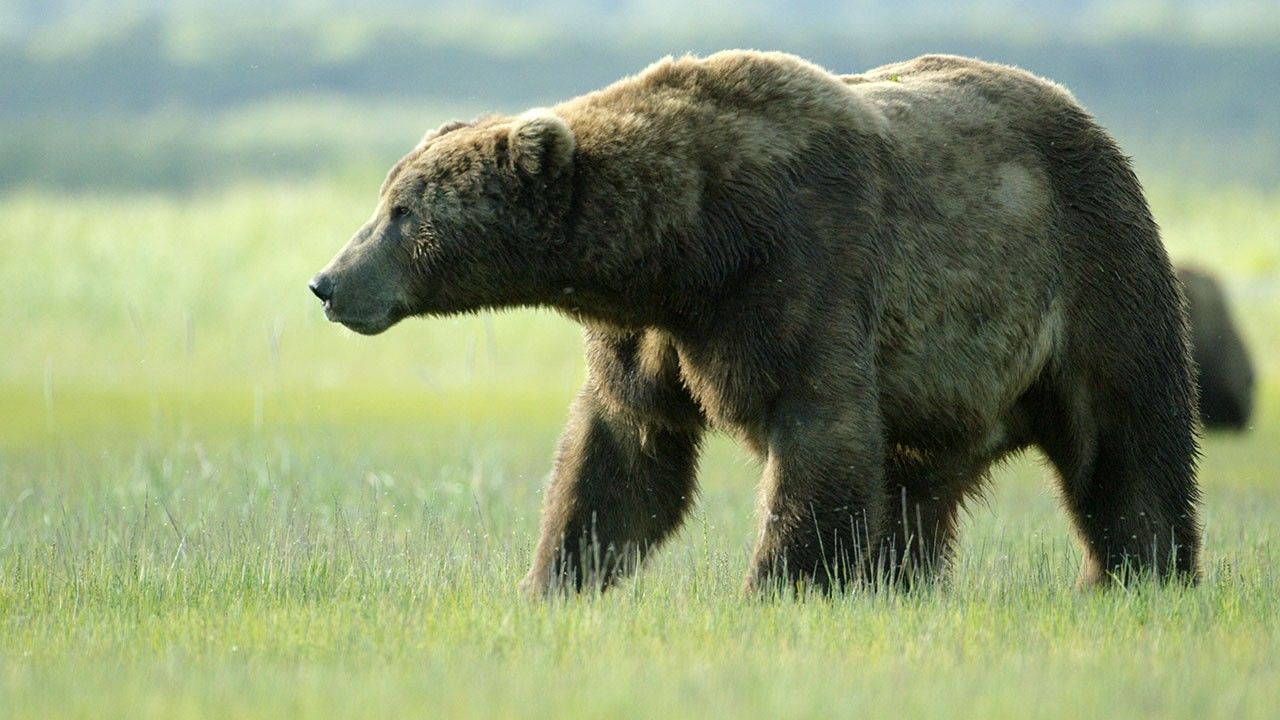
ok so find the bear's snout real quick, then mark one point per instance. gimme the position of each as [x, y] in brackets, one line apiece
[322, 287]
[365, 313]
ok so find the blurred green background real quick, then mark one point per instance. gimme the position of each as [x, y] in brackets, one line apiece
[213, 503]
[171, 173]
[194, 94]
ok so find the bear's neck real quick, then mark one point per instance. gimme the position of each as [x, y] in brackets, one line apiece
[638, 253]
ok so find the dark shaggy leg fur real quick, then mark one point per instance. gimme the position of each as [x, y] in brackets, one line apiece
[822, 505]
[924, 501]
[1118, 409]
[1129, 490]
[618, 490]
[820, 520]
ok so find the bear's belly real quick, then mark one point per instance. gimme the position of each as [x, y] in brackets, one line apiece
[954, 385]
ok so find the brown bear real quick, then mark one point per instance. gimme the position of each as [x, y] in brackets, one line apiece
[881, 284]
[1223, 370]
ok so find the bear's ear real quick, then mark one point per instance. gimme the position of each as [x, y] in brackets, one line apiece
[541, 143]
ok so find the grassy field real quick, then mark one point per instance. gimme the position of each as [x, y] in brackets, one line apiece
[215, 504]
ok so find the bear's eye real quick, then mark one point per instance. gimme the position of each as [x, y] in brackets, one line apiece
[399, 211]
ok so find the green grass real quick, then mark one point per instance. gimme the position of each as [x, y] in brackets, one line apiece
[214, 504]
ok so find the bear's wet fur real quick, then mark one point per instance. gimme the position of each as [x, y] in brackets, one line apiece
[882, 284]
[1223, 370]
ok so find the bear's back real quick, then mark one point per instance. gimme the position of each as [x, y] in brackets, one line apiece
[941, 103]
[953, 79]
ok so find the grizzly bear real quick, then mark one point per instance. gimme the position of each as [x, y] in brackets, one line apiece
[1223, 370]
[881, 284]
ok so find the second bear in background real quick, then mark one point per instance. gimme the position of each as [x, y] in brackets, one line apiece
[1225, 374]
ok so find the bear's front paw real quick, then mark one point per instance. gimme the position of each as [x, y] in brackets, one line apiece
[536, 584]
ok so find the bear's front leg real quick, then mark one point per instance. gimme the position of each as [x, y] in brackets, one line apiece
[620, 486]
[823, 505]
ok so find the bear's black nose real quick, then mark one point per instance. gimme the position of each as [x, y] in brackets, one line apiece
[322, 287]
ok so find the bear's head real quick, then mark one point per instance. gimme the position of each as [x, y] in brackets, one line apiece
[471, 218]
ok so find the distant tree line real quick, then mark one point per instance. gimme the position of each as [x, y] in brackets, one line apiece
[1203, 109]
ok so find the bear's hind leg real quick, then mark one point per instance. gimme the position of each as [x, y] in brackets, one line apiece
[1127, 480]
[1123, 430]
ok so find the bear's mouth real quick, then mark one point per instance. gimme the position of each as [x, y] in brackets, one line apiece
[366, 328]
[359, 325]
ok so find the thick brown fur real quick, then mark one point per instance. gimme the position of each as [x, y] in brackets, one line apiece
[1223, 370]
[881, 284]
